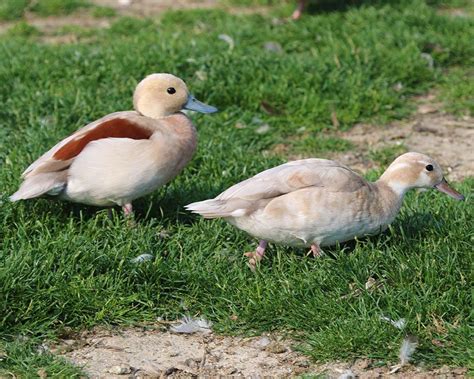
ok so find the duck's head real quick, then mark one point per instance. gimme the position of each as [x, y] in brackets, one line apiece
[161, 95]
[415, 170]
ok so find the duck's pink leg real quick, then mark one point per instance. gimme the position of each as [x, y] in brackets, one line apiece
[316, 251]
[257, 255]
[127, 209]
[299, 10]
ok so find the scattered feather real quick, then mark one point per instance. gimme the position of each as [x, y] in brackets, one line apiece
[370, 283]
[262, 129]
[273, 47]
[263, 342]
[240, 125]
[398, 86]
[201, 75]
[407, 349]
[348, 374]
[188, 325]
[42, 349]
[163, 233]
[395, 369]
[228, 39]
[429, 59]
[142, 258]
[399, 324]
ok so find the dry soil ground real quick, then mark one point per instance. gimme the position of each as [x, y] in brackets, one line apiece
[157, 353]
[430, 131]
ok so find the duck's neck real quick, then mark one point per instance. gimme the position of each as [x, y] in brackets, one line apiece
[395, 178]
[389, 199]
[180, 126]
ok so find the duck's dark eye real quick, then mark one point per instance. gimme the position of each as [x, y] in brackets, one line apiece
[171, 90]
[429, 167]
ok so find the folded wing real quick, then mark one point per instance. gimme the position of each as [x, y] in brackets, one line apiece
[60, 156]
[244, 197]
[48, 174]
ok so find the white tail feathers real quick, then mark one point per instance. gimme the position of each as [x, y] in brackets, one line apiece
[215, 208]
[35, 186]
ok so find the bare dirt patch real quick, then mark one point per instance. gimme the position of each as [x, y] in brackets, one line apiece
[51, 27]
[448, 139]
[445, 137]
[149, 8]
[145, 353]
[156, 353]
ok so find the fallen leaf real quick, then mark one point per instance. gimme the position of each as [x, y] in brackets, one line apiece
[269, 109]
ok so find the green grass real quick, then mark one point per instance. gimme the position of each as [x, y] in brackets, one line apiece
[15, 9]
[68, 266]
[103, 12]
[58, 7]
[12, 9]
[23, 29]
[457, 90]
[384, 156]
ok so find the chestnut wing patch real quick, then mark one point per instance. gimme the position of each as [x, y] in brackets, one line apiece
[114, 128]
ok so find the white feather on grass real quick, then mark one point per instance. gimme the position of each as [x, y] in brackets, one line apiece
[407, 349]
[399, 324]
[348, 374]
[142, 258]
[188, 325]
[228, 39]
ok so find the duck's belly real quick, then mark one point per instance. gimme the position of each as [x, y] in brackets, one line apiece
[326, 233]
[339, 218]
[119, 171]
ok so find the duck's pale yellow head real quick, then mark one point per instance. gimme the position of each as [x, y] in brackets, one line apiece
[415, 170]
[161, 95]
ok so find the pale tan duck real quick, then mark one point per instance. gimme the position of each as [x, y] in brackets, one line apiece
[318, 202]
[124, 155]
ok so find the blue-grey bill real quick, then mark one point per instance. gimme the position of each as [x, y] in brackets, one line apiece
[195, 105]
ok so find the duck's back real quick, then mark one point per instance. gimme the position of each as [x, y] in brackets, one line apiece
[293, 176]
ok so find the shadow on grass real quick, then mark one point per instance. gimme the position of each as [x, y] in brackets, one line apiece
[327, 6]
[315, 7]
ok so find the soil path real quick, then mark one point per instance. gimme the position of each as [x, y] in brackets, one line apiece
[155, 353]
[448, 139]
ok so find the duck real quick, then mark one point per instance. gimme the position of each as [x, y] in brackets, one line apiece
[315, 203]
[124, 155]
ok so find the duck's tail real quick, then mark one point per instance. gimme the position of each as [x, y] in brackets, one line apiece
[51, 183]
[216, 208]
